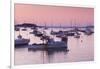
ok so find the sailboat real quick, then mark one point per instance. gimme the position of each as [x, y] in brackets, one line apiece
[45, 27]
[21, 41]
[77, 34]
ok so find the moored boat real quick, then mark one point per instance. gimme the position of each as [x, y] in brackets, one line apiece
[24, 29]
[50, 44]
[21, 41]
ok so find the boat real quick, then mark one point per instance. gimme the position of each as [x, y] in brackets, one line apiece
[38, 34]
[53, 32]
[21, 41]
[88, 31]
[53, 45]
[68, 33]
[33, 28]
[59, 35]
[17, 29]
[24, 29]
[77, 36]
[45, 27]
[50, 44]
[57, 44]
[37, 46]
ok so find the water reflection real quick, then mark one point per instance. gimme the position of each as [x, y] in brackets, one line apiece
[51, 55]
[50, 51]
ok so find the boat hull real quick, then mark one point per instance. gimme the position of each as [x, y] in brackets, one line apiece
[21, 42]
[56, 45]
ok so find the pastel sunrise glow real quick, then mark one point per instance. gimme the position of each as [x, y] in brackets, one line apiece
[53, 15]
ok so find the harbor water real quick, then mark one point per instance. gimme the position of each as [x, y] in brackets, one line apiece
[80, 49]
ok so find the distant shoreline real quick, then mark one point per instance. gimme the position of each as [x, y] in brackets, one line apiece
[34, 25]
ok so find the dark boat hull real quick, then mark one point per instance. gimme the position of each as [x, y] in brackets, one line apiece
[21, 42]
[55, 45]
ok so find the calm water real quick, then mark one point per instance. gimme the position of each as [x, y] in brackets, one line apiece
[81, 49]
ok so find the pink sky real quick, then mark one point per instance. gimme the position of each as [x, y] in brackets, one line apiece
[53, 15]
